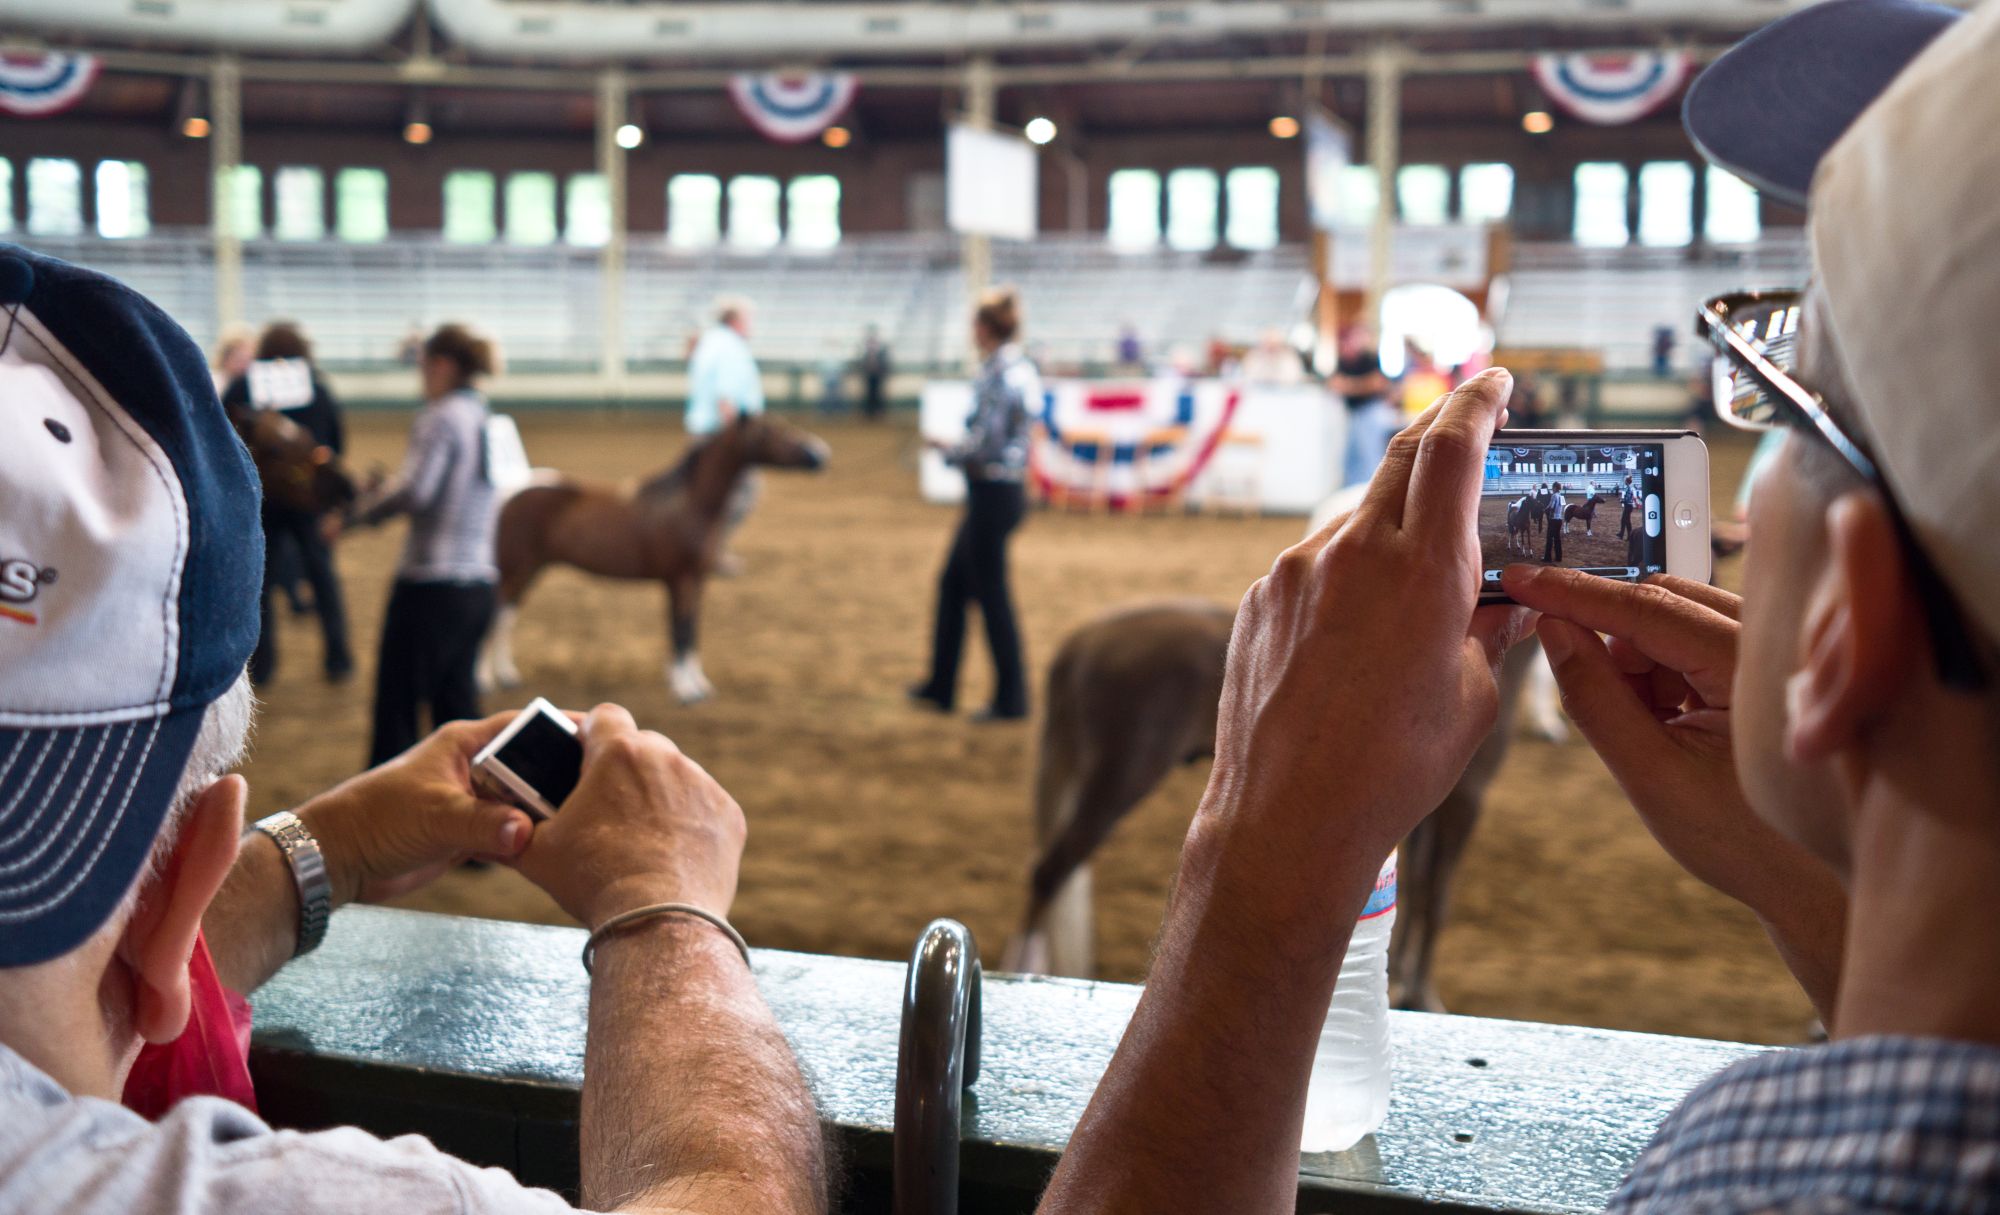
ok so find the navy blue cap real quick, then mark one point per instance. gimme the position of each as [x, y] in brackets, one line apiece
[131, 561]
[1771, 106]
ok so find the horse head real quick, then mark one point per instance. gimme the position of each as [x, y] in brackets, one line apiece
[767, 441]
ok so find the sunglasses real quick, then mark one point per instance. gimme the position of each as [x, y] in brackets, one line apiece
[1755, 335]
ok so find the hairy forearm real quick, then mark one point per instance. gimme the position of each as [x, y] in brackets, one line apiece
[1201, 1107]
[692, 1102]
[253, 924]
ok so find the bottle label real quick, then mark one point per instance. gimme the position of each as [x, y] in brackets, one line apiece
[1383, 899]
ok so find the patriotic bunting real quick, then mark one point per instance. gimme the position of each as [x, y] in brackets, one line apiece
[36, 86]
[792, 109]
[1612, 89]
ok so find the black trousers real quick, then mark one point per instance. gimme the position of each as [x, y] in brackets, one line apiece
[1624, 520]
[430, 644]
[976, 571]
[1552, 543]
[874, 399]
[292, 541]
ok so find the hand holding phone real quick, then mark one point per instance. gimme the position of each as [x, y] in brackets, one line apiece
[534, 763]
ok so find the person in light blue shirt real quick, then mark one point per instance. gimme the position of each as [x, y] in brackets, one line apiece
[723, 385]
[723, 380]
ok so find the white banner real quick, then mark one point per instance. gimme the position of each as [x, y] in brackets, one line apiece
[990, 183]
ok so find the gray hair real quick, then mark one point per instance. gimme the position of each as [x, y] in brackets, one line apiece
[729, 307]
[221, 743]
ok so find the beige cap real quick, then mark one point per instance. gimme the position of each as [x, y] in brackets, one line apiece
[1905, 238]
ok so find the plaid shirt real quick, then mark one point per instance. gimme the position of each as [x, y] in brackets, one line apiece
[1868, 1125]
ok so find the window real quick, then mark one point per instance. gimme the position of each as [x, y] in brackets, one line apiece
[753, 212]
[1733, 213]
[1423, 194]
[121, 199]
[1357, 193]
[1485, 193]
[55, 197]
[1193, 207]
[812, 212]
[468, 207]
[530, 209]
[1666, 203]
[587, 210]
[361, 204]
[1135, 209]
[1253, 207]
[6, 195]
[300, 197]
[1599, 219]
[243, 194]
[694, 211]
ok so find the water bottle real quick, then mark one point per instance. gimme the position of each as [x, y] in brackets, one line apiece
[1350, 1076]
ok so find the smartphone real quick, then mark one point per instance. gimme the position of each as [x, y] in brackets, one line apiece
[1618, 503]
[534, 763]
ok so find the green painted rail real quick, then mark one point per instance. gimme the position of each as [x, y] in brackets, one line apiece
[471, 1032]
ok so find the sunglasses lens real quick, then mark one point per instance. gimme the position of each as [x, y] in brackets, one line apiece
[1770, 327]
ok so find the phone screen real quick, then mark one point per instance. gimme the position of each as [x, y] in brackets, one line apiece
[546, 756]
[1584, 506]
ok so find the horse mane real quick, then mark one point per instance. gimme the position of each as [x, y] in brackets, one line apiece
[679, 474]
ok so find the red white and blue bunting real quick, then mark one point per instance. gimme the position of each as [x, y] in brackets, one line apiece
[36, 86]
[792, 109]
[1127, 444]
[1612, 89]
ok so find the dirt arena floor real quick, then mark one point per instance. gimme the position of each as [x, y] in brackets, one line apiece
[867, 819]
[1580, 550]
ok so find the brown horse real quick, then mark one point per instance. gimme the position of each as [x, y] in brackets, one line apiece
[668, 529]
[1585, 510]
[297, 470]
[1133, 695]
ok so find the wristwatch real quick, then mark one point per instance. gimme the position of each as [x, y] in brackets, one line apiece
[308, 868]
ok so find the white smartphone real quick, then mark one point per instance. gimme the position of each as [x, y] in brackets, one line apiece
[534, 763]
[1619, 503]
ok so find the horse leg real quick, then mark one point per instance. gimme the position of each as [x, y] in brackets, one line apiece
[684, 674]
[1430, 857]
[496, 668]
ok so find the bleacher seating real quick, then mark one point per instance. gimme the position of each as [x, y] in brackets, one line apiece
[359, 301]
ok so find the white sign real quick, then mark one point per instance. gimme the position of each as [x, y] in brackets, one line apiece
[1328, 150]
[1453, 255]
[990, 183]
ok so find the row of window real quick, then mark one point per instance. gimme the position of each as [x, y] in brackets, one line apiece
[1197, 209]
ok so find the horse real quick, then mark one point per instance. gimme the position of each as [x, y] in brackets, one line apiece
[1585, 510]
[297, 470]
[667, 529]
[1133, 695]
[1521, 516]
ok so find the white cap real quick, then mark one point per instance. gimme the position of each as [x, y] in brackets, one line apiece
[1905, 237]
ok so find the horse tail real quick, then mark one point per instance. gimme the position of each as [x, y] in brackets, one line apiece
[1057, 793]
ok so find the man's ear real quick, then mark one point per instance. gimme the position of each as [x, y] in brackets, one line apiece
[159, 939]
[1862, 636]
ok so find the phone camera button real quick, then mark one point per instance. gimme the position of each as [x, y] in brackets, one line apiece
[1684, 514]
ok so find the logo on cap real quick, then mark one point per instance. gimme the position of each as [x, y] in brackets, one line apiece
[20, 582]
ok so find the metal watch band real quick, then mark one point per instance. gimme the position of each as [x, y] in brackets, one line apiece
[308, 868]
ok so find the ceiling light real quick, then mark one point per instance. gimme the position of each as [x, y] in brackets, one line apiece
[630, 136]
[1537, 122]
[1284, 126]
[836, 137]
[1040, 130]
[196, 127]
[417, 132]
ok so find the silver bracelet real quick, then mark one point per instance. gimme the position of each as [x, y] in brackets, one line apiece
[308, 866]
[625, 919]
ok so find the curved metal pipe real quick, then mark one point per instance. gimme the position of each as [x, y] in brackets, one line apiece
[937, 1059]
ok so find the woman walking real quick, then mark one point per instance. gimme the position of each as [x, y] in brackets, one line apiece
[994, 457]
[443, 597]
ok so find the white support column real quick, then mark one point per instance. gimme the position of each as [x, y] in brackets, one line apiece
[225, 152]
[976, 249]
[611, 114]
[1385, 116]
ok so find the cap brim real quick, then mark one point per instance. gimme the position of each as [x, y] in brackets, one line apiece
[1770, 107]
[80, 807]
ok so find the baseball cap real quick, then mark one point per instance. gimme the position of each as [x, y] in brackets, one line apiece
[1772, 105]
[130, 565]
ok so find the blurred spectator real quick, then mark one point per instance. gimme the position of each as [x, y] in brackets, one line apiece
[233, 354]
[1663, 351]
[874, 365]
[410, 351]
[1271, 361]
[1423, 383]
[1130, 353]
[724, 384]
[1371, 420]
